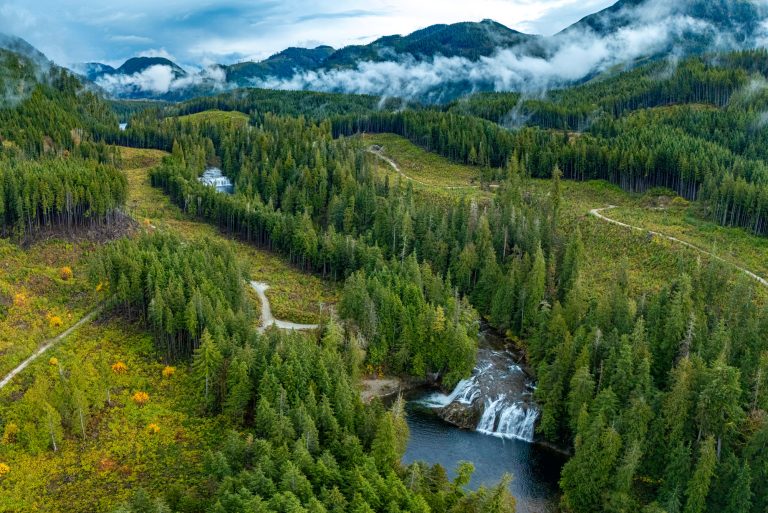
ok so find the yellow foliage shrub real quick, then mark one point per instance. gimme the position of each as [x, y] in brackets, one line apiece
[20, 299]
[10, 433]
[99, 287]
[153, 429]
[54, 321]
[140, 398]
[119, 368]
[66, 273]
[53, 361]
[4, 469]
[169, 371]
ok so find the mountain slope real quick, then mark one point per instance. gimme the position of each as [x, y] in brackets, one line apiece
[442, 62]
[280, 65]
[468, 40]
[738, 20]
[22, 48]
[45, 109]
[141, 64]
[94, 70]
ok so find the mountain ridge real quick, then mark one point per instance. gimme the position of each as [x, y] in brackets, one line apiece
[466, 57]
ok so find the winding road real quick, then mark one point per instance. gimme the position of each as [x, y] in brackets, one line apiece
[49, 344]
[378, 153]
[267, 319]
[597, 212]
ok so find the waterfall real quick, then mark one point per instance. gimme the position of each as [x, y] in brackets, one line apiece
[500, 392]
[508, 419]
[466, 392]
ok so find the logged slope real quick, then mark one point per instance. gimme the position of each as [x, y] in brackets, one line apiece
[47, 345]
[600, 214]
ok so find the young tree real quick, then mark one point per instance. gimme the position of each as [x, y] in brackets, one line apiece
[698, 486]
[718, 410]
[586, 476]
[206, 362]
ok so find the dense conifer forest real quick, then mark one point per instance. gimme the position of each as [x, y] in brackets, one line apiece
[659, 396]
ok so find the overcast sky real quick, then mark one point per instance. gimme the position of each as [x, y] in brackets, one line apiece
[203, 32]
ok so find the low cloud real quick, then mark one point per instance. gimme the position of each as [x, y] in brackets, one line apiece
[157, 52]
[573, 57]
[159, 79]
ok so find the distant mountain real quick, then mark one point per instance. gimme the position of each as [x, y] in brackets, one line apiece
[19, 46]
[710, 21]
[280, 65]
[94, 70]
[441, 62]
[740, 16]
[141, 64]
[468, 40]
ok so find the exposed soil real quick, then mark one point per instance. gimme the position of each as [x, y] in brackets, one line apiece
[120, 226]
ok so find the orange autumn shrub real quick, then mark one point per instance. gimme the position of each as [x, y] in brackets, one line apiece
[140, 398]
[66, 273]
[153, 429]
[54, 321]
[119, 368]
[169, 371]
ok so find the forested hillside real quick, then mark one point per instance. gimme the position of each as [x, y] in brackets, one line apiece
[659, 388]
[621, 129]
[656, 388]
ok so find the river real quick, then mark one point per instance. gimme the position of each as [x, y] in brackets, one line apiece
[496, 403]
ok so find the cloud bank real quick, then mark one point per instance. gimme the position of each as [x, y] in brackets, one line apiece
[159, 80]
[617, 39]
[570, 57]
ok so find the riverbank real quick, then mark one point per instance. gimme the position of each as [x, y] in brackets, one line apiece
[388, 387]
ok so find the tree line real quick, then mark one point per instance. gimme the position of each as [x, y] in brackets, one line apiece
[57, 192]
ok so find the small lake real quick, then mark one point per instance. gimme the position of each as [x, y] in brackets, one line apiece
[535, 470]
[497, 402]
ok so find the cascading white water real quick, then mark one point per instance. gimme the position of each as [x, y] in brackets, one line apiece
[467, 391]
[508, 419]
[501, 391]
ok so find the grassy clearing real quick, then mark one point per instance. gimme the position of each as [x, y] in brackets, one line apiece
[294, 295]
[652, 261]
[651, 264]
[732, 244]
[36, 302]
[429, 168]
[216, 116]
[120, 451]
